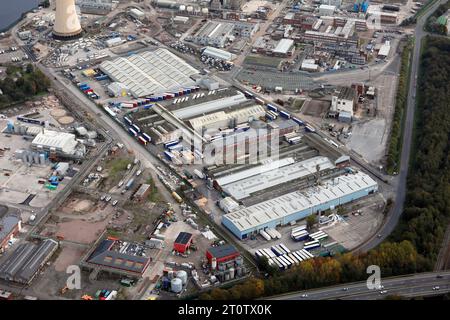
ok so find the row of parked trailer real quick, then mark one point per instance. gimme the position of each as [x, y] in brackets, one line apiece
[319, 236]
[282, 257]
[273, 112]
[136, 132]
[87, 90]
[269, 234]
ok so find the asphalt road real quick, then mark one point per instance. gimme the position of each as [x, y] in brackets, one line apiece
[420, 284]
[397, 209]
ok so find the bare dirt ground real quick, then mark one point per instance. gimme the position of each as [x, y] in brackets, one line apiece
[69, 255]
[315, 108]
[81, 231]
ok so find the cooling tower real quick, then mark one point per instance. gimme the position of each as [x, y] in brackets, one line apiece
[66, 25]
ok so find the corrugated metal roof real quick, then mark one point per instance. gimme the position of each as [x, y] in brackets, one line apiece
[59, 140]
[283, 46]
[245, 187]
[150, 72]
[280, 207]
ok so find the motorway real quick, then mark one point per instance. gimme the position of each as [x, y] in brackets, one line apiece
[397, 209]
[415, 285]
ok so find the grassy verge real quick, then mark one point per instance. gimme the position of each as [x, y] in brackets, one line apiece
[401, 100]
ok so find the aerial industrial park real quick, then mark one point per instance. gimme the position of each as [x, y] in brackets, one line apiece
[178, 149]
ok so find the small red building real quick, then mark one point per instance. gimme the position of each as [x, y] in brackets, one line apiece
[183, 242]
[222, 254]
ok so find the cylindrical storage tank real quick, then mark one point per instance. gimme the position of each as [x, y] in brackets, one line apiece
[183, 276]
[176, 285]
[182, 7]
[165, 283]
[171, 275]
[238, 261]
[36, 157]
[214, 263]
[190, 9]
[222, 267]
[231, 273]
[227, 276]
[42, 158]
[29, 157]
[239, 272]
[221, 276]
[205, 10]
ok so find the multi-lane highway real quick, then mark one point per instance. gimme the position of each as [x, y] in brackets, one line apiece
[421, 284]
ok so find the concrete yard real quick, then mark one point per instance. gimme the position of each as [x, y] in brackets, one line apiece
[355, 229]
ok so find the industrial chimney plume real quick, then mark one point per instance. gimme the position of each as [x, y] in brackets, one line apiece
[67, 25]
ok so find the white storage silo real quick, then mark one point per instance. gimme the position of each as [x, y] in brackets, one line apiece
[205, 10]
[214, 263]
[190, 9]
[183, 276]
[182, 7]
[231, 273]
[42, 159]
[176, 285]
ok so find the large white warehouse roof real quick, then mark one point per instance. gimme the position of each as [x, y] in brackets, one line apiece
[283, 46]
[291, 203]
[244, 188]
[150, 72]
[61, 141]
[210, 106]
[219, 54]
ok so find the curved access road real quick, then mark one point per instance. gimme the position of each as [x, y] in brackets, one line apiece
[397, 209]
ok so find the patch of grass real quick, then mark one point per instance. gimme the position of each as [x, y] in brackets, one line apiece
[297, 104]
[154, 195]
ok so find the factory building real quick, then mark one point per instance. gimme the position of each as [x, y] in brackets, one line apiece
[243, 184]
[150, 72]
[10, 226]
[228, 204]
[344, 101]
[299, 20]
[210, 106]
[222, 254]
[284, 48]
[117, 89]
[218, 54]
[326, 10]
[99, 7]
[26, 261]
[183, 242]
[222, 119]
[384, 50]
[213, 33]
[58, 144]
[299, 204]
[137, 14]
[116, 256]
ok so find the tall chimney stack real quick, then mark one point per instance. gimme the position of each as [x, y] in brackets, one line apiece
[67, 25]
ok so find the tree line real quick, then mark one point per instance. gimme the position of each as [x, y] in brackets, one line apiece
[401, 99]
[21, 84]
[433, 24]
[427, 206]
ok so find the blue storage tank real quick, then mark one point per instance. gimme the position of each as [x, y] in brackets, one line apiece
[356, 7]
